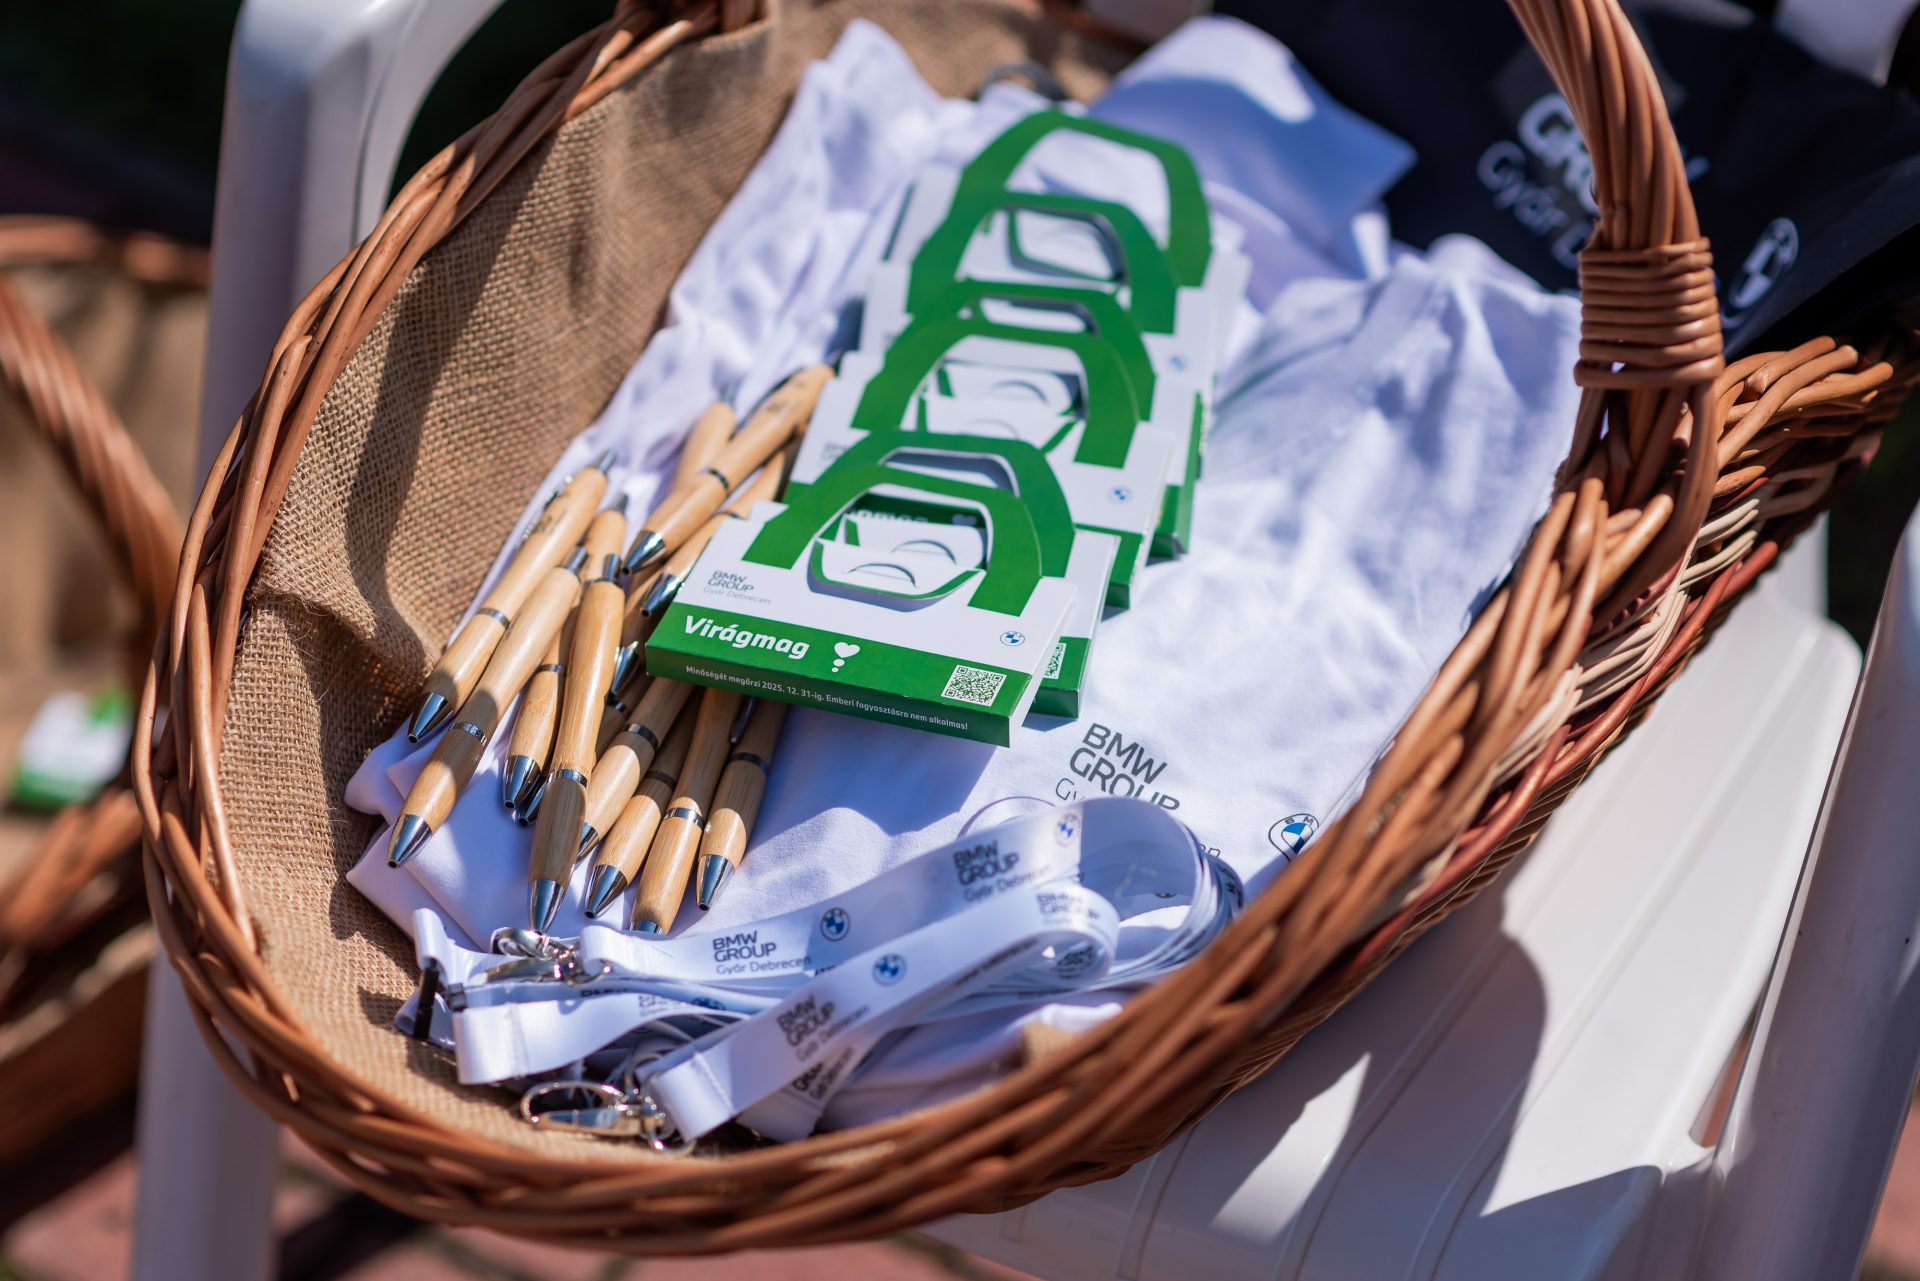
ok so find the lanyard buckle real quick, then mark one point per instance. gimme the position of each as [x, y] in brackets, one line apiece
[603, 1111]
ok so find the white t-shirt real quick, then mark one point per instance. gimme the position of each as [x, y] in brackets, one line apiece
[1386, 432]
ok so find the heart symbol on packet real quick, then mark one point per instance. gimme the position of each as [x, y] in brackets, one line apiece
[846, 650]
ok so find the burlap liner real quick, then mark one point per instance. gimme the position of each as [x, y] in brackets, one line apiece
[504, 343]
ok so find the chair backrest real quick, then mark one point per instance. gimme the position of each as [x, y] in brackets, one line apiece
[322, 94]
[1827, 1083]
[320, 97]
[1859, 35]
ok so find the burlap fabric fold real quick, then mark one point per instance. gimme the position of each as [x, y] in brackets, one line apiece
[505, 342]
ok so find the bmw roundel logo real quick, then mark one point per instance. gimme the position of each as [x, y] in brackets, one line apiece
[890, 968]
[1121, 493]
[1013, 638]
[835, 924]
[1067, 828]
[1291, 834]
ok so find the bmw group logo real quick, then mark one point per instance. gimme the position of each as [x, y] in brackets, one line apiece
[1067, 828]
[834, 925]
[890, 969]
[1013, 638]
[1291, 834]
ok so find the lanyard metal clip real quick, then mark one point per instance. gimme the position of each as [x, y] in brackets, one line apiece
[603, 1111]
[537, 957]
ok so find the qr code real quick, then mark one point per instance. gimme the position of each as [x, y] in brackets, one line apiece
[971, 685]
[1056, 662]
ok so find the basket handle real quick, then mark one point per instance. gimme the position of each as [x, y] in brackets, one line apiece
[108, 469]
[1650, 317]
[129, 503]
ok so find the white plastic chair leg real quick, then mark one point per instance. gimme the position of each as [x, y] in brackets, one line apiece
[320, 96]
[207, 1156]
[1827, 1085]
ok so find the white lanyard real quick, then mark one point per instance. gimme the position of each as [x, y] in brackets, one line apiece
[967, 910]
[790, 1059]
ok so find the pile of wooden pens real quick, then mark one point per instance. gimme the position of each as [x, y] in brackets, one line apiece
[659, 780]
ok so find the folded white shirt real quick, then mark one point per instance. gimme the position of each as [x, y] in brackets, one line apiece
[1385, 436]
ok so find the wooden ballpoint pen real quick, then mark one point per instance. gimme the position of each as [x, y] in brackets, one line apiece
[617, 860]
[617, 773]
[556, 832]
[525, 779]
[736, 801]
[457, 754]
[533, 725]
[767, 428]
[663, 880]
[664, 585]
[704, 443]
[708, 436]
[554, 532]
[648, 596]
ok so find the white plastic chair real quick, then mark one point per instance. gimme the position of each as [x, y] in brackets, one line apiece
[1525, 1094]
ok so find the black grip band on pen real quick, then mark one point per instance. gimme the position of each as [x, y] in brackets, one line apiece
[725, 484]
[660, 776]
[571, 775]
[689, 813]
[758, 762]
[641, 731]
[558, 669]
[472, 731]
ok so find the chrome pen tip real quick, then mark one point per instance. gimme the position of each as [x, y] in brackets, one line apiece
[714, 874]
[518, 780]
[608, 882]
[543, 904]
[660, 594]
[576, 560]
[409, 834]
[618, 505]
[624, 660]
[433, 710]
[647, 548]
[641, 925]
[606, 460]
[530, 803]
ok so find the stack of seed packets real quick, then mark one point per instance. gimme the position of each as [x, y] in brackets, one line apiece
[1020, 429]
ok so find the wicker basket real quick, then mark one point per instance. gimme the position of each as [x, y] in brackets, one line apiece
[491, 313]
[73, 938]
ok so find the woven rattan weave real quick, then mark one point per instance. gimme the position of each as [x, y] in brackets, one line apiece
[486, 318]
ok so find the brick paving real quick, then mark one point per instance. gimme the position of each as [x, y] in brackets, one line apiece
[1894, 1252]
[327, 1232]
[76, 1225]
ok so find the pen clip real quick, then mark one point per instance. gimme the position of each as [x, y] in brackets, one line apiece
[748, 706]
